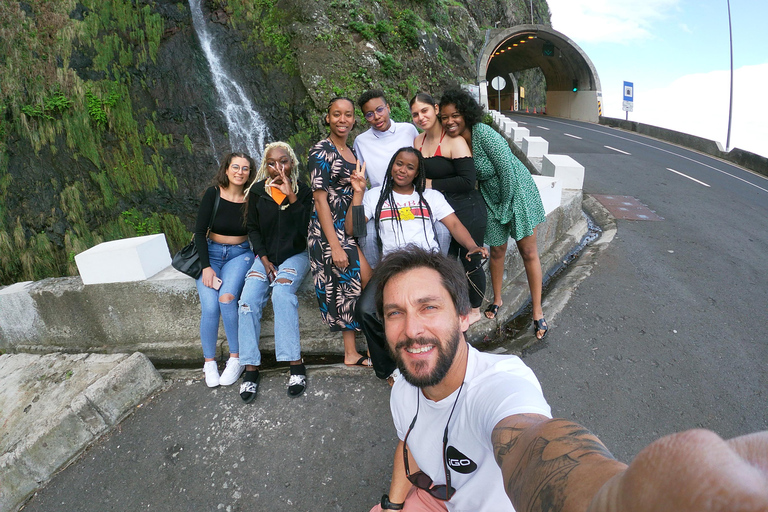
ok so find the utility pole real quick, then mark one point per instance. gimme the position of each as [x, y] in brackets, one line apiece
[532, 12]
[730, 102]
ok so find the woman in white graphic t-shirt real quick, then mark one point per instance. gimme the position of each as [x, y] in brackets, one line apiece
[404, 213]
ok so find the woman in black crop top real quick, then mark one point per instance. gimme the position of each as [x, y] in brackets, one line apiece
[226, 257]
[450, 169]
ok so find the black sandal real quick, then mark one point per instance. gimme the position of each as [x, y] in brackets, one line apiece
[493, 309]
[540, 325]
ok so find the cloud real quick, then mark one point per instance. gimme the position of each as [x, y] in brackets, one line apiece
[698, 104]
[615, 21]
[685, 28]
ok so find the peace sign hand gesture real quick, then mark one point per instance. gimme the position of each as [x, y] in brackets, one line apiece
[357, 179]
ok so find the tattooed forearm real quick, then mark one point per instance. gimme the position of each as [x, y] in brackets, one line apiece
[538, 458]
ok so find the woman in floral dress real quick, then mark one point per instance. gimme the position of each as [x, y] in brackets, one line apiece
[334, 256]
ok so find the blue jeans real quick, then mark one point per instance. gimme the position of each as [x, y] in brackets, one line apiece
[230, 262]
[285, 305]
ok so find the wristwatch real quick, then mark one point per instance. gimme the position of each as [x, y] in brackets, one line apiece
[388, 505]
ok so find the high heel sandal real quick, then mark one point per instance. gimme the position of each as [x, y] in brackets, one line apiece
[540, 325]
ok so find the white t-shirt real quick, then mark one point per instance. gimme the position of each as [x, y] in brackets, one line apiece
[376, 148]
[415, 225]
[495, 387]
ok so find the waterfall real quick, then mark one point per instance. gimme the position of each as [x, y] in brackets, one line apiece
[247, 129]
[210, 140]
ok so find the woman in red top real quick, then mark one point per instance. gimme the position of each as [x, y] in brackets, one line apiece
[450, 169]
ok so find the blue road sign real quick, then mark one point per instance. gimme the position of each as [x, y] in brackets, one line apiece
[629, 91]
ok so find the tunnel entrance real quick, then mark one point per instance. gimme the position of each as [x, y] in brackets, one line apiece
[572, 85]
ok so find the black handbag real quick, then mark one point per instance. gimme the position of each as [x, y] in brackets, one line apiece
[187, 260]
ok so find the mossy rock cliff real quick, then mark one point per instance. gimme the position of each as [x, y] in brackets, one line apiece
[110, 125]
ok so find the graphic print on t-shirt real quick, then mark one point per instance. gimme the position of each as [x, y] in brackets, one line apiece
[415, 218]
[459, 462]
[406, 211]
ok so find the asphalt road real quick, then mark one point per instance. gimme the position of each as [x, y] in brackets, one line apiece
[668, 333]
[665, 334]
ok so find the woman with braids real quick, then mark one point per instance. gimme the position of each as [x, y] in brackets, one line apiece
[513, 201]
[450, 170]
[333, 255]
[404, 213]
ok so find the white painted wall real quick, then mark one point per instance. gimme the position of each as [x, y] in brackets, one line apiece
[581, 106]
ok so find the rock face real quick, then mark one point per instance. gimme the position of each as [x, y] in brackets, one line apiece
[110, 124]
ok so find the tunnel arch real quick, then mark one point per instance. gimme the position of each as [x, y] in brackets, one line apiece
[522, 47]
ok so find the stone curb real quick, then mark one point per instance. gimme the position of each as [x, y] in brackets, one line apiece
[557, 297]
[73, 399]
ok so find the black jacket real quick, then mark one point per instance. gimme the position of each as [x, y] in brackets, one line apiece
[278, 231]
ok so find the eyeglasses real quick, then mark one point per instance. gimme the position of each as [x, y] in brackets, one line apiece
[421, 479]
[236, 168]
[378, 111]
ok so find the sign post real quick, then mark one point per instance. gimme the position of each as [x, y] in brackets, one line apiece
[498, 83]
[629, 97]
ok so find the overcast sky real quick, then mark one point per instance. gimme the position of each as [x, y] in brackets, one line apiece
[676, 53]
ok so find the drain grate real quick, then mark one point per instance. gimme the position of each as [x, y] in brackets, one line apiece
[626, 207]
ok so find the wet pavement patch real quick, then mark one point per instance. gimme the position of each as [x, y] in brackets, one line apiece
[626, 207]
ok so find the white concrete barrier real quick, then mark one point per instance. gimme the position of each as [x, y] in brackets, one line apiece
[564, 168]
[535, 147]
[120, 261]
[518, 132]
[551, 192]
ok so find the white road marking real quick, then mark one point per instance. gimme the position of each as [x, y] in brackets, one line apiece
[620, 151]
[543, 128]
[686, 176]
[572, 136]
[608, 133]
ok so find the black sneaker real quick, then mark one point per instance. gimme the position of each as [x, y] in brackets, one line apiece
[249, 387]
[296, 385]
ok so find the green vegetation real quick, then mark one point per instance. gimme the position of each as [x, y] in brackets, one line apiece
[389, 65]
[79, 98]
[44, 102]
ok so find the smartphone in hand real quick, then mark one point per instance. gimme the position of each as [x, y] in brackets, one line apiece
[216, 283]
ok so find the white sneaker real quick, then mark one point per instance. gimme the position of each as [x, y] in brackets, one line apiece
[232, 372]
[211, 374]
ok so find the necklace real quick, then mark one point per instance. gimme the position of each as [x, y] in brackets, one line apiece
[339, 149]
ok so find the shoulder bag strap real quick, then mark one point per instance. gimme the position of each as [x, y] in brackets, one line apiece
[215, 208]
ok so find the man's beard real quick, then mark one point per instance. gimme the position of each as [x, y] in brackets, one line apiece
[445, 355]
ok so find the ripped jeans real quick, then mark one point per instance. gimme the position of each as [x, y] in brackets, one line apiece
[285, 305]
[229, 262]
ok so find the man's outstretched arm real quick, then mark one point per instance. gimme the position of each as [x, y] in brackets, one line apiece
[558, 465]
[551, 465]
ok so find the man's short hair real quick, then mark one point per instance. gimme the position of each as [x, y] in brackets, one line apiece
[452, 275]
[369, 95]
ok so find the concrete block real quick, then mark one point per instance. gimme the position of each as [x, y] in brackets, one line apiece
[566, 169]
[508, 124]
[518, 132]
[55, 405]
[535, 147]
[551, 192]
[120, 261]
[123, 387]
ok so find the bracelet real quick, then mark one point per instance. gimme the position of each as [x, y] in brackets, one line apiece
[388, 505]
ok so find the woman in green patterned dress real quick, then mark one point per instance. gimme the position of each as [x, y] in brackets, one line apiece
[513, 201]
